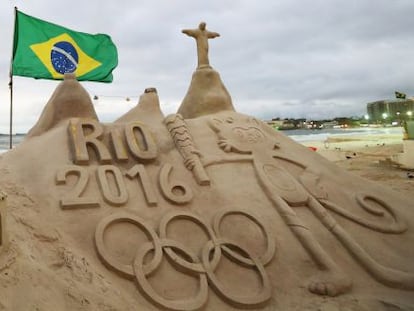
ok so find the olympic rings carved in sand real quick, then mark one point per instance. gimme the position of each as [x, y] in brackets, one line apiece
[202, 266]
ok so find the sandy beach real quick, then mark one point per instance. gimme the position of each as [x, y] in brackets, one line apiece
[366, 156]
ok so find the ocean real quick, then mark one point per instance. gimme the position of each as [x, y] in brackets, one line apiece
[297, 135]
[322, 134]
[5, 141]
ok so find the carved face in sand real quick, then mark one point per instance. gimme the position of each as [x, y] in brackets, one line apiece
[202, 26]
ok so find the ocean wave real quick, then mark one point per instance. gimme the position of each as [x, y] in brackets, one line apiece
[5, 141]
[323, 134]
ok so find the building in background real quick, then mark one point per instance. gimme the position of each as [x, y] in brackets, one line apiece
[389, 111]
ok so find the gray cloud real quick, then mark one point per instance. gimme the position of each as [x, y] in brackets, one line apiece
[287, 58]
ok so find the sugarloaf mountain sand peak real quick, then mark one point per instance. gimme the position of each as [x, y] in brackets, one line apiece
[205, 209]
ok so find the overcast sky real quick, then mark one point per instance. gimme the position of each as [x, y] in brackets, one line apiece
[278, 58]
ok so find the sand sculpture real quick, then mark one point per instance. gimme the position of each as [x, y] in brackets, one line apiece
[204, 209]
[201, 35]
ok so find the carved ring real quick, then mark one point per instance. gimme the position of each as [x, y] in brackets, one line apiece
[237, 300]
[114, 263]
[180, 304]
[270, 243]
[194, 267]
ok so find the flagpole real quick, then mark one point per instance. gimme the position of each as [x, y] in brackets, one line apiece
[11, 84]
[11, 113]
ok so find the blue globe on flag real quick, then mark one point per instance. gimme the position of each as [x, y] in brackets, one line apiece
[64, 57]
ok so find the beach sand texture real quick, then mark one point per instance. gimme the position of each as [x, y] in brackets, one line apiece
[367, 156]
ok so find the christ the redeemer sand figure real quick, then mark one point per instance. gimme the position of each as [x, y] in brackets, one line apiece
[201, 35]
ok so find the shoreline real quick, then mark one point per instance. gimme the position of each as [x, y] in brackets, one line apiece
[366, 156]
[334, 144]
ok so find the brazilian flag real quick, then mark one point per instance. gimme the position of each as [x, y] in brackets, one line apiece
[400, 95]
[43, 50]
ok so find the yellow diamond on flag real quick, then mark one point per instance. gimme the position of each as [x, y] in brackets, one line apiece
[61, 54]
